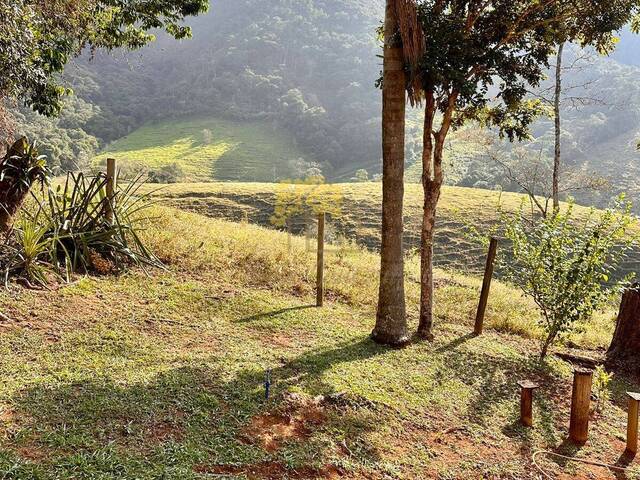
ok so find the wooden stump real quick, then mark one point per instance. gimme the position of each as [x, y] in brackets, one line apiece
[580, 405]
[626, 339]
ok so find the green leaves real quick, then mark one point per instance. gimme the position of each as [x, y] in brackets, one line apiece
[67, 231]
[565, 262]
[36, 43]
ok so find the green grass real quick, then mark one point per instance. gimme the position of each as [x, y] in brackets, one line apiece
[359, 219]
[161, 375]
[252, 151]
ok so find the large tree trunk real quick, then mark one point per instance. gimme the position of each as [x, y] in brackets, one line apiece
[626, 339]
[432, 180]
[557, 127]
[431, 188]
[391, 324]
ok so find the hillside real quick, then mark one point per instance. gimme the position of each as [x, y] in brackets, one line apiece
[161, 375]
[312, 73]
[359, 220]
[209, 148]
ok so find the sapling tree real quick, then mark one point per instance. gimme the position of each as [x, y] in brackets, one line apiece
[480, 57]
[566, 262]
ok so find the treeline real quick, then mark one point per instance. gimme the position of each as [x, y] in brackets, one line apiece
[310, 67]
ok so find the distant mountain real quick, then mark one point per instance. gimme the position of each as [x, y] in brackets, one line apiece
[308, 68]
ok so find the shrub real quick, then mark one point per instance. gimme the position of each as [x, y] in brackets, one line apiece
[67, 231]
[565, 264]
[172, 173]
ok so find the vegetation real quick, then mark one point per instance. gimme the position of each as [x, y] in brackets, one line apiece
[466, 48]
[144, 376]
[38, 41]
[359, 216]
[208, 149]
[66, 231]
[20, 168]
[565, 265]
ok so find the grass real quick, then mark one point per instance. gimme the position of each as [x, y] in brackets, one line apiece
[230, 150]
[359, 218]
[161, 375]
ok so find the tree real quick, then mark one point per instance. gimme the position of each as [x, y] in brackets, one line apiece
[479, 57]
[565, 263]
[401, 47]
[38, 38]
[626, 338]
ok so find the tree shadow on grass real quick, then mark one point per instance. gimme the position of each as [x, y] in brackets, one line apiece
[275, 313]
[182, 417]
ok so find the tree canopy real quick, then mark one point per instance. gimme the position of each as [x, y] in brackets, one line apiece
[38, 38]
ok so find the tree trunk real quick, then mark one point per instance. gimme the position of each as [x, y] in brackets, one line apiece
[432, 179]
[626, 339]
[431, 197]
[9, 206]
[556, 111]
[391, 324]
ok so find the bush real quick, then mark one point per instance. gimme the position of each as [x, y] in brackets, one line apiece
[565, 264]
[172, 173]
[66, 231]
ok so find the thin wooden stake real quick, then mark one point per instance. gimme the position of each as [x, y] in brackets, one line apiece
[486, 286]
[580, 405]
[632, 424]
[526, 402]
[320, 263]
[111, 188]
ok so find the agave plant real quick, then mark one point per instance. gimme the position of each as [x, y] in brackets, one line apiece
[81, 232]
[20, 168]
[28, 253]
[67, 231]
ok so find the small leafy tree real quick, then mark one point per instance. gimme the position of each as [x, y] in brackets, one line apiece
[566, 262]
[479, 60]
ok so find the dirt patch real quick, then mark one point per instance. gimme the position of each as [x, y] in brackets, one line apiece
[32, 453]
[165, 430]
[271, 471]
[296, 420]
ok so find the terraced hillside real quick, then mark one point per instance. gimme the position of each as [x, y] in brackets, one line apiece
[360, 213]
[208, 149]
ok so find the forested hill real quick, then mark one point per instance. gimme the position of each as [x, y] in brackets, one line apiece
[308, 68]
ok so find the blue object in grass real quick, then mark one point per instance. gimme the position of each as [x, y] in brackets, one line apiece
[267, 384]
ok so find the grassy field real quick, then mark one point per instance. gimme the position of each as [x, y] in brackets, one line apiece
[360, 214]
[160, 375]
[208, 149]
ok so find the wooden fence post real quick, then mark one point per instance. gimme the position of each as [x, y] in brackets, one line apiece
[486, 286]
[526, 402]
[580, 405]
[320, 262]
[632, 424]
[111, 188]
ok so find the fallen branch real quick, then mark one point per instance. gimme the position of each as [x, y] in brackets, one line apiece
[585, 361]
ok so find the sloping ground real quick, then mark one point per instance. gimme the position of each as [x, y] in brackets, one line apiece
[161, 375]
[359, 219]
[208, 149]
